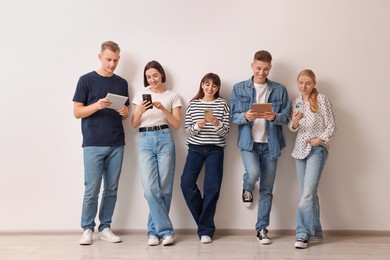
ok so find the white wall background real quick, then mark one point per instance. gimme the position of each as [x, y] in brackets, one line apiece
[46, 45]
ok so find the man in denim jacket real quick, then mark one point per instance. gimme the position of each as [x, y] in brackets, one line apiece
[260, 135]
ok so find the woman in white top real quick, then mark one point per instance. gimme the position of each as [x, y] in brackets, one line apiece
[207, 125]
[313, 120]
[156, 149]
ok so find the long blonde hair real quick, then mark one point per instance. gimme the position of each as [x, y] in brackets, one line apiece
[314, 93]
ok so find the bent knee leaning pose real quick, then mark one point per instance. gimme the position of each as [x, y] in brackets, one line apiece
[313, 120]
[260, 135]
[207, 125]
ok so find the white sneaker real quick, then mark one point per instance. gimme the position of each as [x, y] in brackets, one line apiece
[107, 235]
[86, 239]
[153, 241]
[168, 239]
[205, 239]
[301, 243]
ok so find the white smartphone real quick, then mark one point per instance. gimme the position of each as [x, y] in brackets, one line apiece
[299, 107]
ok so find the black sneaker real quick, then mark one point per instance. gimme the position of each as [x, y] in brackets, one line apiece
[263, 238]
[247, 197]
[301, 243]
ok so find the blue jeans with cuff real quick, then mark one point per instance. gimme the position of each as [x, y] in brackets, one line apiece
[100, 163]
[259, 167]
[309, 172]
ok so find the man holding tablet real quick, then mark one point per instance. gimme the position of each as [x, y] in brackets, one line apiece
[260, 136]
[103, 141]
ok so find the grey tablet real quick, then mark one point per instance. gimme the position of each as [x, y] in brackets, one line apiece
[117, 100]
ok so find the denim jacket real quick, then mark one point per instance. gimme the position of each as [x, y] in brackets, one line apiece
[241, 100]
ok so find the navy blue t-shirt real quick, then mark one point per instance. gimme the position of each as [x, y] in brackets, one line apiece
[103, 128]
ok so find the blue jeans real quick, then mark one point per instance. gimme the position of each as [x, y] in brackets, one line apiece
[157, 159]
[100, 163]
[203, 209]
[259, 166]
[309, 172]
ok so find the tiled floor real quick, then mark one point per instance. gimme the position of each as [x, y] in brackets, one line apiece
[65, 246]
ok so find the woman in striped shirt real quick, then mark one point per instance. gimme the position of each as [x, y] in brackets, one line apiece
[207, 125]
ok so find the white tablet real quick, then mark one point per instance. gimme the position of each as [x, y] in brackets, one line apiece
[117, 100]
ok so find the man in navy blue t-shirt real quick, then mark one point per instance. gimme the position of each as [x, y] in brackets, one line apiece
[103, 141]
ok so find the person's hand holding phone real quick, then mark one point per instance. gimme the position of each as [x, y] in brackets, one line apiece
[201, 123]
[147, 102]
[209, 117]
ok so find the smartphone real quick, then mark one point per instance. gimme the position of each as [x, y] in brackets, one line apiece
[147, 97]
[208, 111]
[299, 107]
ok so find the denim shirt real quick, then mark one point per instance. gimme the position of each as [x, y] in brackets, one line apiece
[241, 100]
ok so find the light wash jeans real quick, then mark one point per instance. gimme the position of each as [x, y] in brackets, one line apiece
[100, 163]
[157, 159]
[309, 172]
[259, 166]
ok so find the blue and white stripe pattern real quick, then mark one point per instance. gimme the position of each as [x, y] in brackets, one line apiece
[209, 134]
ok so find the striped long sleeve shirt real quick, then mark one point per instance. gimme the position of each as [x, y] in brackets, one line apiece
[209, 134]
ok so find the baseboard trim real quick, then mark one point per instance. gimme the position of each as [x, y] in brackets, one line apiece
[243, 232]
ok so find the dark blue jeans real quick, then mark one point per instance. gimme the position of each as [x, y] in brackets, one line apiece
[203, 209]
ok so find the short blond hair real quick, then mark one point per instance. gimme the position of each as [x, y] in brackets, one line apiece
[111, 46]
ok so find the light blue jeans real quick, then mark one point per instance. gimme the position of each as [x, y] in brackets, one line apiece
[157, 159]
[309, 172]
[100, 163]
[259, 166]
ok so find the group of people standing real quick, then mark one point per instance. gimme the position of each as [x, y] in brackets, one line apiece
[207, 124]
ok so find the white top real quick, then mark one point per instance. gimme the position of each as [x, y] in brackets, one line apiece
[154, 116]
[313, 125]
[259, 124]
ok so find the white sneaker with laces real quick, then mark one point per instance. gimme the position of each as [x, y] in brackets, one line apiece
[86, 239]
[168, 239]
[301, 243]
[205, 239]
[153, 241]
[107, 235]
[263, 237]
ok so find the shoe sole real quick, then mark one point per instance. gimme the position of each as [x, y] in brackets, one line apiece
[206, 241]
[169, 242]
[110, 240]
[85, 243]
[299, 245]
[264, 242]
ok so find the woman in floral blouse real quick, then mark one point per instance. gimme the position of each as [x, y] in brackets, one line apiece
[313, 120]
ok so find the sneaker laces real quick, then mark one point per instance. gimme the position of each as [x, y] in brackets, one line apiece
[247, 195]
[263, 234]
